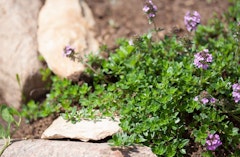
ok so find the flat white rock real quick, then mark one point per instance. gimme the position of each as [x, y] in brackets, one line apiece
[53, 148]
[84, 130]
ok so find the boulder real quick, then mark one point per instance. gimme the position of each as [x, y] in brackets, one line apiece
[84, 130]
[45, 148]
[2, 143]
[62, 23]
[19, 54]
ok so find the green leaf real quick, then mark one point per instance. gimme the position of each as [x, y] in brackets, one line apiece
[183, 143]
[160, 149]
[235, 131]
[171, 151]
[2, 132]
[183, 151]
[7, 116]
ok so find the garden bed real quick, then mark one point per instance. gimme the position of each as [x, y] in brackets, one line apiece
[119, 19]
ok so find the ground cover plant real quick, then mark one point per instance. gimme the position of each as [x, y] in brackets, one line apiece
[170, 94]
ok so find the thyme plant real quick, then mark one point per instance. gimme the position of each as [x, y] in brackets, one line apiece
[170, 94]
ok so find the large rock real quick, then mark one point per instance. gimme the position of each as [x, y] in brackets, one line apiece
[2, 143]
[62, 23]
[18, 40]
[47, 148]
[84, 130]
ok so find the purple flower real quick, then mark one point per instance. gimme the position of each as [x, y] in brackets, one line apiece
[146, 8]
[202, 59]
[195, 98]
[155, 8]
[151, 15]
[130, 42]
[150, 9]
[213, 100]
[236, 92]
[192, 20]
[213, 141]
[236, 87]
[68, 50]
[204, 100]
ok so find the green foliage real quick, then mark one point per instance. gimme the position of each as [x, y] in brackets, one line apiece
[8, 115]
[12, 119]
[151, 86]
[62, 95]
[46, 73]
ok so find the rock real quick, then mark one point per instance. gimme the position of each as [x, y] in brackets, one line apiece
[19, 56]
[2, 143]
[84, 130]
[47, 148]
[62, 23]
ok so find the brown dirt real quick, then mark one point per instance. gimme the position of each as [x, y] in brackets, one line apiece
[125, 18]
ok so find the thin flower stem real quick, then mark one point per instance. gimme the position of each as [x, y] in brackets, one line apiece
[80, 59]
[156, 29]
[201, 77]
[90, 67]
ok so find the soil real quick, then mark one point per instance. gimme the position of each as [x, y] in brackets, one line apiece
[124, 19]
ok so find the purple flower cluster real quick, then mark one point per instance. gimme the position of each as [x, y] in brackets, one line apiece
[150, 9]
[68, 51]
[213, 141]
[205, 98]
[202, 59]
[192, 20]
[236, 92]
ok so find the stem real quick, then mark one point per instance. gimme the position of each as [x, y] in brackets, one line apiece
[155, 26]
[17, 125]
[155, 29]
[90, 67]
[6, 144]
[201, 77]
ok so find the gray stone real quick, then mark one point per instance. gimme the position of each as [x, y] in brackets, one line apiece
[47, 148]
[2, 143]
[62, 23]
[19, 56]
[84, 130]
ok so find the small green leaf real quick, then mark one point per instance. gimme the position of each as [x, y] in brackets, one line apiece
[171, 151]
[7, 116]
[183, 143]
[235, 131]
[183, 151]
